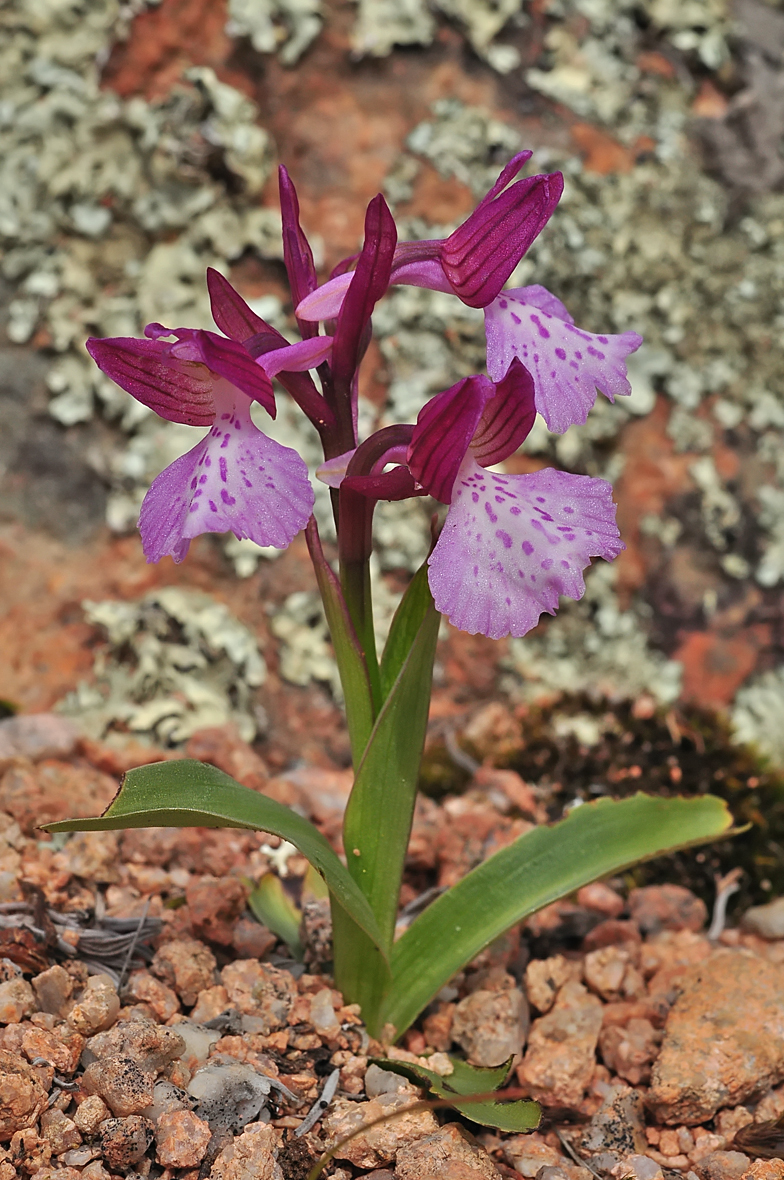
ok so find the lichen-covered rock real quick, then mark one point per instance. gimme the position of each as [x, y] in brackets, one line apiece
[618, 1125]
[121, 1083]
[449, 1154]
[491, 1024]
[181, 1139]
[560, 1058]
[187, 965]
[124, 1141]
[765, 1170]
[724, 1039]
[377, 1145]
[22, 1097]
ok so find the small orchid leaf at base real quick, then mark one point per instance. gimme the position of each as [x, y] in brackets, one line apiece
[468, 1080]
[271, 904]
[186, 793]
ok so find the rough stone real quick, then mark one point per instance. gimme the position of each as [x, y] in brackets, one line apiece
[378, 1145]
[322, 1014]
[61, 1048]
[92, 856]
[146, 989]
[630, 1049]
[250, 1157]
[215, 904]
[124, 1086]
[543, 978]
[766, 920]
[186, 965]
[600, 897]
[90, 1113]
[259, 990]
[37, 735]
[667, 907]
[765, 1170]
[181, 1139]
[22, 1097]
[724, 1039]
[60, 1132]
[491, 1025]
[722, 1165]
[618, 1125]
[528, 1154]
[607, 972]
[125, 1140]
[449, 1154]
[16, 1000]
[560, 1057]
[52, 790]
[150, 1045]
[97, 1007]
[53, 989]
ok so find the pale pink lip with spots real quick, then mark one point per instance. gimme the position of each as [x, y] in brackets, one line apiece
[567, 364]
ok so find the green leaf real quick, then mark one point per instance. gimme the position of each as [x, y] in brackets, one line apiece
[408, 618]
[186, 793]
[517, 1116]
[545, 864]
[378, 817]
[272, 905]
[348, 651]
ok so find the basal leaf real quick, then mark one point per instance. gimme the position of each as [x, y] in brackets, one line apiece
[270, 903]
[186, 793]
[517, 1116]
[545, 864]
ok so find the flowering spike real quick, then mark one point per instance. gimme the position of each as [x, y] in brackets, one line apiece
[567, 364]
[443, 433]
[507, 418]
[369, 282]
[511, 544]
[297, 254]
[176, 389]
[235, 479]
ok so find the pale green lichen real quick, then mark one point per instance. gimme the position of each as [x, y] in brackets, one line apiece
[174, 662]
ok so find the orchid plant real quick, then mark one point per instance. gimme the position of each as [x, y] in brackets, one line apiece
[504, 551]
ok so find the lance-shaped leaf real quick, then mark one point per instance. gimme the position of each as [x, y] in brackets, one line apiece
[187, 793]
[466, 1080]
[545, 864]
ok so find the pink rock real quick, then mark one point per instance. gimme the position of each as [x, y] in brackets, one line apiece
[491, 1023]
[724, 1039]
[560, 1057]
[181, 1139]
[450, 1154]
[37, 735]
[186, 965]
[667, 907]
